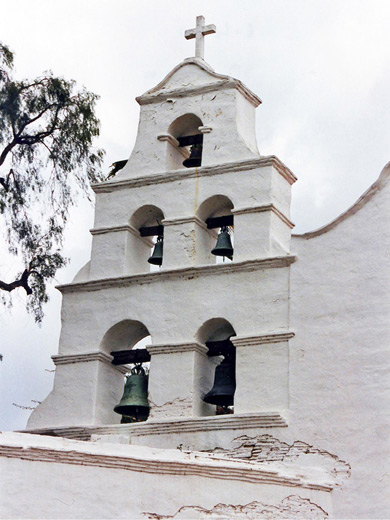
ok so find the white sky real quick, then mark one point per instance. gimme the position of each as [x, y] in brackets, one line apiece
[322, 69]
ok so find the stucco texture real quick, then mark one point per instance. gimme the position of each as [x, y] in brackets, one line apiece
[339, 358]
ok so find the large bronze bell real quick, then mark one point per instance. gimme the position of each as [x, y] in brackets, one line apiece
[222, 393]
[195, 158]
[134, 402]
[157, 255]
[223, 246]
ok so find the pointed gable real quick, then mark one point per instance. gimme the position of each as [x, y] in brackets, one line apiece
[194, 75]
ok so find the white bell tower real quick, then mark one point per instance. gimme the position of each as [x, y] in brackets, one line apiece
[193, 300]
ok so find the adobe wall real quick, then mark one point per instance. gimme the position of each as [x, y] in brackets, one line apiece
[59, 478]
[339, 358]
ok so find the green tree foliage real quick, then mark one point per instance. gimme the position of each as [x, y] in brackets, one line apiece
[46, 159]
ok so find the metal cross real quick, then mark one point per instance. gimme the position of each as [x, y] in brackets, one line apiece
[200, 31]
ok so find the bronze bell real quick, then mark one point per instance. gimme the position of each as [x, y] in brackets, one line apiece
[157, 255]
[134, 402]
[222, 393]
[195, 158]
[224, 244]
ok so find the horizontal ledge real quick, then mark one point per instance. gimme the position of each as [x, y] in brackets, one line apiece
[66, 359]
[203, 171]
[193, 219]
[172, 348]
[187, 272]
[179, 425]
[225, 83]
[119, 229]
[168, 463]
[263, 339]
[261, 209]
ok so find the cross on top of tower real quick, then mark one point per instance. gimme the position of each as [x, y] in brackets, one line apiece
[199, 32]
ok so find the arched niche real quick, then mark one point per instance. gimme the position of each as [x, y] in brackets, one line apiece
[215, 206]
[215, 329]
[184, 126]
[147, 215]
[140, 248]
[123, 335]
[218, 330]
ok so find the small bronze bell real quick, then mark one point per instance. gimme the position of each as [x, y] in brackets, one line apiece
[134, 402]
[224, 244]
[157, 256]
[195, 158]
[222, 393]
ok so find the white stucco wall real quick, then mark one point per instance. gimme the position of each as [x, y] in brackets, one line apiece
[339, 358]
[44, 477]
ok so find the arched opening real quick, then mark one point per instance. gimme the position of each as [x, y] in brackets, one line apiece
[126, 342]
[215, 329]
[123, 336]
[215, 334]
[147, 221]
[216, 212]
[185, 149]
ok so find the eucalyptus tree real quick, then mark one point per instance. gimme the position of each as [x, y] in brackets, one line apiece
[47, 158]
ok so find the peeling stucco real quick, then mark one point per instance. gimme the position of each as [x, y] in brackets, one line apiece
[179, 407]
[290, 507]
[266, 448]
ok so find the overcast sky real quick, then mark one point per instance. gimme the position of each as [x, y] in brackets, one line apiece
[322, 69]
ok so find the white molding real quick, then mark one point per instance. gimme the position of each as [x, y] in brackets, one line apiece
[121, 227]
[265, 207]
[203, 171]
[205, 129]
[230, 83]
[180, 92]
[263, 339]
[174, 348]
[189, 272]
[185, 220]
[171, 426]
[66, 359]
[203, 465]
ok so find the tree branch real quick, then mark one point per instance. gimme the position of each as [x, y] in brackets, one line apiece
[22, 282]
[6, 151]
[33, 119]
[4, 181]
[33, 139]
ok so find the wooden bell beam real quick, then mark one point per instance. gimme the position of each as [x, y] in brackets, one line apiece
[220, 348]
[151, 231]
[126, 357]
[189, 140]
[217, 222]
